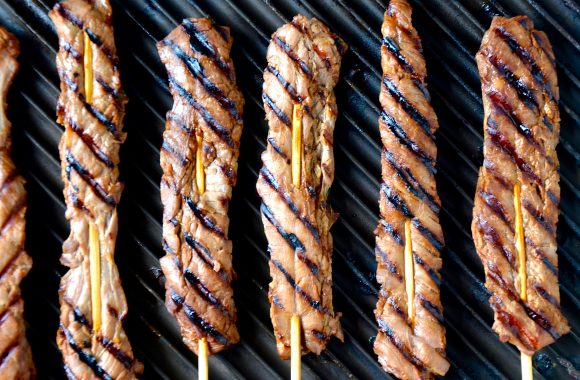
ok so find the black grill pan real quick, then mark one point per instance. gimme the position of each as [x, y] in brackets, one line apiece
[451, 32]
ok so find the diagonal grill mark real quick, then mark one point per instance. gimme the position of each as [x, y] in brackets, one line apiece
[525, 94]
[205, 220]
[73, 164]
[203, 253]
[391, 231]
[407, 354]
[393, 269]
[90, 143]
[277, 111]
[197, 70]
[290, 90]
[88, 359]
[293, 56]
[222, 132]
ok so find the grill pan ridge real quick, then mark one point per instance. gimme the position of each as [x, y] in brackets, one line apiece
[451, 32]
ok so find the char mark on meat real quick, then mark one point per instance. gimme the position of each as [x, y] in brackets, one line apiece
[91, 109]
[522, 124]
[203, 130]
[408, 346]
[303, 68]
[15, 354]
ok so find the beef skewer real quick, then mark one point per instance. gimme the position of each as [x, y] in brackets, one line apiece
[411, 340]
[91, 109]
[199, 160]
[15, 354]
[517, 196]
[298, 168]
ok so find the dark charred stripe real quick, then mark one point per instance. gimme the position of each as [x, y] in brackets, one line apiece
[527, 59]
[524, 93]
[388, 263]
[321, 54]
[427, 268]
[393, 48]
[73, 164]
[8, 180]
[497, 176]
[391, 231]
[69, 373]
[197, 70]
[166, 146]
[502, 142]
[510, 291]
[198, 42]
[68, 15]
[223, 31]
[277, 111]
[423, 88]
[108, 89]
[291, 239]
[90, 143]
[548, 123]
[221, 131]
[70, 50]
[513, 325]
[201, 250]
[553, 197]
[495, 205]
[319, 335]
[545, 295]
[401, 135]
[273, 183]
[431, 308]
[85, 357]
[278, 150]
[287, 85]
[397, 202]
[205, 220]
[411, 183]
[123, 358]
[407, 106]
[542, 256]
[167, 248]
[70, 83]
[407, 354]
[197, 319]
[538, 216]
[104, 120]
[293, 56]
[204, 292]
[175, 119]
[311, 301]
[6, 313]
[540, 39]
[107, 51]
[276, 301]
[491, 235]
[13, 214]
[10, 348]
[392, 302]
[79, 317]
[428, 234]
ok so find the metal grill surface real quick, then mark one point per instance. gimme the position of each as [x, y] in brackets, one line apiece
[451, 33]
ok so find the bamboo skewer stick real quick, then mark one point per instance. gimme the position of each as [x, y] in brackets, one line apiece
[202, 365]
[526, 360]
[199, 170]
[88, 68]
[409, 272]
[295, 344]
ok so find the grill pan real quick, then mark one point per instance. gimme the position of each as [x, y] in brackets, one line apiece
[451, 32]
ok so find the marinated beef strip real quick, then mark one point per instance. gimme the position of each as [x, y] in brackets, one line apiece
[15, 355]
[411, 340]
[303, 68]
[201, 143]
[521, 130]
[92, 339]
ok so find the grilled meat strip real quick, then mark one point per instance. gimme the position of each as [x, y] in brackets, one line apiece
[89, 151]
[303, 68]
[205, 122]
[408, 346]
[15, 355]
[521, 125]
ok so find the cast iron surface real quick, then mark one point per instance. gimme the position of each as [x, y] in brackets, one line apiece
[451, 32]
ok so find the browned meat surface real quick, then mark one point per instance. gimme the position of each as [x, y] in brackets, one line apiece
[411, 339]
[205, 123]
[522, 125]
[15, 355]
[303, 68]
[89, 150]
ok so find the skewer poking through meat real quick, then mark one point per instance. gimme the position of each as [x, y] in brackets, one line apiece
[303, 68]
[199, 161]
[91, 109]
[517, 195]
[15, 354]
[411, 338]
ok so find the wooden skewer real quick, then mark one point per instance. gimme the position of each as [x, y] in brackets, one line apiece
[202, 366]
[88, 68]
[199, 170]
[95, 271]
[526, 360]
[295, 344]
[409, 272]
